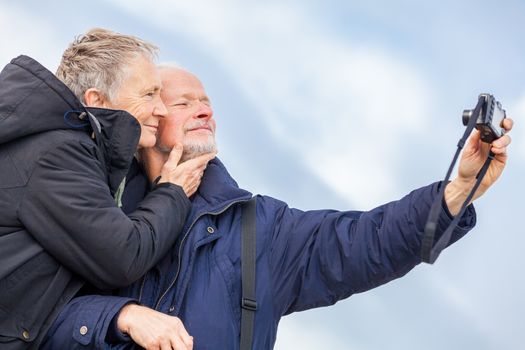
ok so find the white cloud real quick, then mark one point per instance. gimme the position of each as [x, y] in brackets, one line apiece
[465, 306]
[22, 32]
[297, 335]
[518, 132]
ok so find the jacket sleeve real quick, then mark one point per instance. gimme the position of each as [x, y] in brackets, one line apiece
[69, 210]
[87, 322]
[320, 257]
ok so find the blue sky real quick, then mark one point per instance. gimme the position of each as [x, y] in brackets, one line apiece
[340, 105]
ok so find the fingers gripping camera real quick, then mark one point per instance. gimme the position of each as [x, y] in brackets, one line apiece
[490, 118]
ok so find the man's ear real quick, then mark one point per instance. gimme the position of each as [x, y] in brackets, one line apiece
[95, 98]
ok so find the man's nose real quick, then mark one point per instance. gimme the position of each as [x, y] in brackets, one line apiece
[204, 111]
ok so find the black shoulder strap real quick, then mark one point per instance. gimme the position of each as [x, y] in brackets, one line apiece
[248, 302]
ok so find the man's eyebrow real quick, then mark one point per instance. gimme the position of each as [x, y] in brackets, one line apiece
[192, 96]
[188, 96]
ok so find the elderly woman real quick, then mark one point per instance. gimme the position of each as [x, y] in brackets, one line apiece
[66, 146]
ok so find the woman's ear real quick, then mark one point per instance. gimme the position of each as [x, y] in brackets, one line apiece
[95, 98]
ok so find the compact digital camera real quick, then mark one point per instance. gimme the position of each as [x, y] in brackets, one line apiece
[489, 120]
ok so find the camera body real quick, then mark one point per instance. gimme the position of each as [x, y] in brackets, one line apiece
[490, 118]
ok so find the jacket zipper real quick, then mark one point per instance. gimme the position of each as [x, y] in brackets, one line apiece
[180, 251]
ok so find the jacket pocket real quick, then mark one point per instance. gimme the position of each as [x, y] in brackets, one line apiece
[29, 295]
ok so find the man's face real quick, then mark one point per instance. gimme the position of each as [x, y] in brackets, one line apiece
[139, 95]
[190, 118]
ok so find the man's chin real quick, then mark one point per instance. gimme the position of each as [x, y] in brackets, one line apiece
[191, 151]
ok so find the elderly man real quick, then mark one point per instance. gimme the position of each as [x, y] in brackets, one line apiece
[64, 154]
[304, 259]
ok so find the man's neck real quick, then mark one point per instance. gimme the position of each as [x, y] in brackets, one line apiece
[153, 161]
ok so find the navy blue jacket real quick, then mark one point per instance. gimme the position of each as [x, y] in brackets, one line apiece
[304, 260]
[59, 224]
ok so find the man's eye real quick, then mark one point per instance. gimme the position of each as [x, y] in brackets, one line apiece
[182, 104]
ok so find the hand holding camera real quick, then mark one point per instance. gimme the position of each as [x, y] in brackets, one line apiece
[490, 137]
[482, 162]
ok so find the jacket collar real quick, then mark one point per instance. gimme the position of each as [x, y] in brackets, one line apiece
[118, 138]
[217, 191]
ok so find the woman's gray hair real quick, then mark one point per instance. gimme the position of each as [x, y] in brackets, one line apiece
[98, 59]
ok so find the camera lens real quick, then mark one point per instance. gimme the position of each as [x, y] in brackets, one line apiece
[467, 113]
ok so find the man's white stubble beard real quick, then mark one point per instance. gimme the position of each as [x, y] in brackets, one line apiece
[192, 150]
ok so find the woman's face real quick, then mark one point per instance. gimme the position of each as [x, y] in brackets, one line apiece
[139, 95]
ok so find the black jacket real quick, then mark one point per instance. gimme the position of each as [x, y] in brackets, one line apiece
[60, 225]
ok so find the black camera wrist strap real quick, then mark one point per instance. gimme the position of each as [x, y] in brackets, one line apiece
[429, 254]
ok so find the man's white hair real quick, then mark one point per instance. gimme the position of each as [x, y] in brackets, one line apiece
[171, 65]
